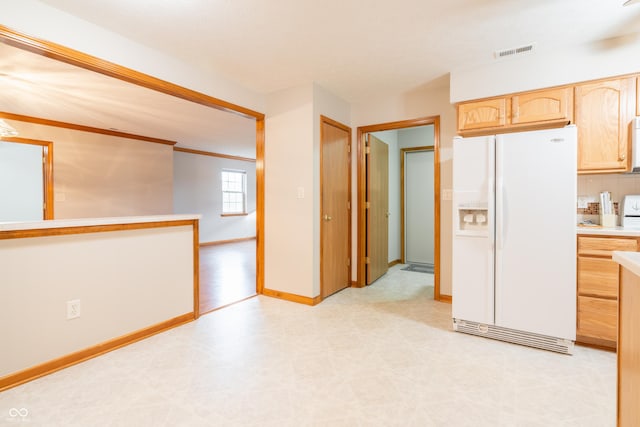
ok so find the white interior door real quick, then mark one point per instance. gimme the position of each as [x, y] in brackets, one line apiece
[419, 207]
[21, 182]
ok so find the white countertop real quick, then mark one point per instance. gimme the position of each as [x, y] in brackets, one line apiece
[629, 260]
[84, 222]
[609, 231]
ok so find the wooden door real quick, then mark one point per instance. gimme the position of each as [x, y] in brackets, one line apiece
[603, 113]
[335, 222]
[378, 209]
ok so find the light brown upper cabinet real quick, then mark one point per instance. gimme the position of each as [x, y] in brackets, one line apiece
[484, 114]
[603, 113]
[543, 108]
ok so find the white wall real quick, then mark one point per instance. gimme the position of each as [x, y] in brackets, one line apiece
[292, 161]
[98, 175]
[422, 102]
[197, 188]
[125, 281]
[289, 220]
[545, 69]
[41, 20]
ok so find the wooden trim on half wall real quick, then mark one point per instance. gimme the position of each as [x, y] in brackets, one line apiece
[29, 374]
[47, 170]
[196, 268]
[209, 153]
[361, 178]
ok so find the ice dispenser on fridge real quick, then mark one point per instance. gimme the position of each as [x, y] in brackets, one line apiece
[472, 220]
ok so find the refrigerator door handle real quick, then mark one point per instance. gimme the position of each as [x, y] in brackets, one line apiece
[499, 217]
[491, 200]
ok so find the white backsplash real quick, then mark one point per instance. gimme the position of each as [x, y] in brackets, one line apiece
[618, 184]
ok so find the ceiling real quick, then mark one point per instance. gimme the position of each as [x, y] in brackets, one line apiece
[36, 86]
[354, 48]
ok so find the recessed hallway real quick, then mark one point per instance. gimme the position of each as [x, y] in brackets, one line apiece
[384, 355]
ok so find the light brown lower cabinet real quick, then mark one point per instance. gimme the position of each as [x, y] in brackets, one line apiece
[598, 281]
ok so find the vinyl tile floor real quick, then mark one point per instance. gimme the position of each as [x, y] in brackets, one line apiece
[384, 355]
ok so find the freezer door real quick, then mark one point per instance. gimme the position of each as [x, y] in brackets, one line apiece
[473, 236]
[535, 232]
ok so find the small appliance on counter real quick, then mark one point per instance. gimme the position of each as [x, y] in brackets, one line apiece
[631, 211]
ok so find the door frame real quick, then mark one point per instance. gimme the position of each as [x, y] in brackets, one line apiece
[404, 151]
[74, 57]
[331, 122]
[47, 170]
[362, 182]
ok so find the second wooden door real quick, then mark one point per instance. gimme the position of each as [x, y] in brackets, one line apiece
[335, 228]
[377, 209]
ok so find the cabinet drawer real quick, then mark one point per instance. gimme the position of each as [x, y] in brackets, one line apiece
[597, 318]
[603, 246]
[597, 277]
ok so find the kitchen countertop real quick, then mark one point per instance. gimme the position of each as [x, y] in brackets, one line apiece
[608, 231]
[629, 260]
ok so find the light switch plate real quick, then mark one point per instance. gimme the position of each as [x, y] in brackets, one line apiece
[447, 194]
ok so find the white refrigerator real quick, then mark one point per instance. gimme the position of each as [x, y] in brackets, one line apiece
[514, 242]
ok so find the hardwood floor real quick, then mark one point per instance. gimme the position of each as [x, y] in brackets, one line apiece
[227, 274]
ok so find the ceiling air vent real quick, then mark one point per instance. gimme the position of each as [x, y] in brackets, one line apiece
[514, 51]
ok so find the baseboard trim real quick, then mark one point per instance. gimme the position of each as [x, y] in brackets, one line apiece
[599, 343]
[394, 262]
[222, 242]
[445, 298]
[30, 374]
[292, 297]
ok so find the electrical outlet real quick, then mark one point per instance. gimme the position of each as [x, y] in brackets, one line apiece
[73, 309]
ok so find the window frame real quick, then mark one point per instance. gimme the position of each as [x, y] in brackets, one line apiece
[224, 191]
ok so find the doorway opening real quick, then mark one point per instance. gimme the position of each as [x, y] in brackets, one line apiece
[26, 179]
[417, 205]
[96, 65]
[365, 208]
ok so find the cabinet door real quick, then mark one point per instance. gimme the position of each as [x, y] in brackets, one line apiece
[542, 106]
[597, 277]
[597, 318]
[483, 114]
[603, 113]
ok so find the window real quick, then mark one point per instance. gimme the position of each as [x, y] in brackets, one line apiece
[234, 192]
